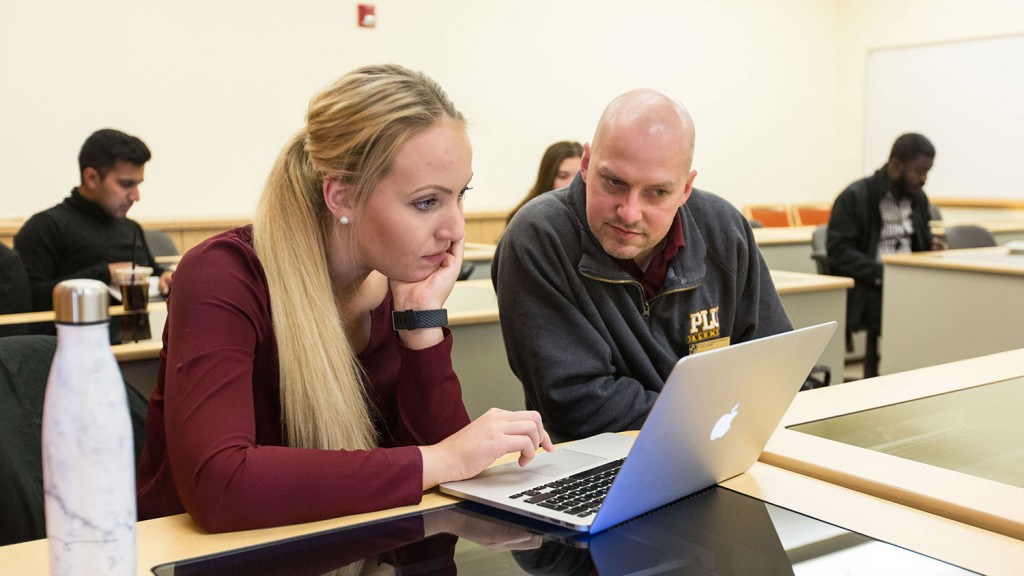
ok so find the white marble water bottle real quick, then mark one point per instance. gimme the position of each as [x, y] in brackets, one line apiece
[88, 452]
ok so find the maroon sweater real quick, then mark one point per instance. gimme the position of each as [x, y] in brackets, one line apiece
[214, 442]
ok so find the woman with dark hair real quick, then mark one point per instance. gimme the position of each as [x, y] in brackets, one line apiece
[558, 167]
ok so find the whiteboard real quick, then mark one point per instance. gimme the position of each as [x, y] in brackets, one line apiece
[967, 98]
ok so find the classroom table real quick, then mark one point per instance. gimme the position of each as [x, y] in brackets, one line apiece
[138, 360]
[787, 248]
[129, 351]
[178, 537]
[811, 299]
[950, 305]
[944, 439]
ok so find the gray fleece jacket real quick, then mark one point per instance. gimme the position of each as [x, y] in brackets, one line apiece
[591, 350]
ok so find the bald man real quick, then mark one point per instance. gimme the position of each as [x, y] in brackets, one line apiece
[603, 285]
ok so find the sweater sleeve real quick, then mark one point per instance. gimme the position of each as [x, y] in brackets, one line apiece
[225, 478]
[429, 395]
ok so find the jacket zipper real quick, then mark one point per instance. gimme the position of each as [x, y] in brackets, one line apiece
[646, 304]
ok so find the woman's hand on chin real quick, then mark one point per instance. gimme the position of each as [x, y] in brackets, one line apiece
[431, 292]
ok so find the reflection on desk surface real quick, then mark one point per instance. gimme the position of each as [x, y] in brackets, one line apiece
[977, 431]
[714, 532]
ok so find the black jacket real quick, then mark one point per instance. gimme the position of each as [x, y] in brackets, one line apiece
[853, 231]
[77, 239]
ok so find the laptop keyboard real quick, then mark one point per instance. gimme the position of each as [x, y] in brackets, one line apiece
[580, 494]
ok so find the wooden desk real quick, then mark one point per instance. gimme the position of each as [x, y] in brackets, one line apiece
[786, 248]
[811, 299]
[168, 260]
[157, 311]
[950, 305]
[138, 360]
[965, 498]
[177, 537]
[790, 248]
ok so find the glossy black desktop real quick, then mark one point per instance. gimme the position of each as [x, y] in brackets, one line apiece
[717, 531]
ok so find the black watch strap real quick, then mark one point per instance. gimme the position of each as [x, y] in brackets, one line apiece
[416, 319]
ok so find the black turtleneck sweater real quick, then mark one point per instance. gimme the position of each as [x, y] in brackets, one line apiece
[76, 239]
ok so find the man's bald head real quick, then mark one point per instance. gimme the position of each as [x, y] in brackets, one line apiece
[638, 173]
[651, 113]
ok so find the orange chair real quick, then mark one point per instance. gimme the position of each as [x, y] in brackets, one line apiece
[771, 215]
[811, 214]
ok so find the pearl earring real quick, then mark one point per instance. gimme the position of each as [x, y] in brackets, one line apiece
[344, 220]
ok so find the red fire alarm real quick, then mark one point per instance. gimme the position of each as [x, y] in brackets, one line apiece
[367, 16]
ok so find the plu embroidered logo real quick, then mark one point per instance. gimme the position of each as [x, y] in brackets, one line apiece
[705, 331]
[704, 325]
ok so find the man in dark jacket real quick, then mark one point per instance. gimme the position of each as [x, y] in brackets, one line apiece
[885, 213]
[602, 286]
[89, 235]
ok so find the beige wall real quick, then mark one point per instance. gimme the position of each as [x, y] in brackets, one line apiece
[776, 88]
[216, 87]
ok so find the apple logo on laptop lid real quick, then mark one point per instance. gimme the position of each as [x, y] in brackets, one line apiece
[724, 423]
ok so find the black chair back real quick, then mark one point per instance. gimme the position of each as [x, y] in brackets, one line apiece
[160, 243]
[969, 236]
[819, 241]
[24, 368]
[15, 293]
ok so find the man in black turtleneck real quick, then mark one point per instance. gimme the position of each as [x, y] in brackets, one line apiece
[886, 213]
[88, 235]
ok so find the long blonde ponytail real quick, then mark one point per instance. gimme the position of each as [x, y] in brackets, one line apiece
[353, 130]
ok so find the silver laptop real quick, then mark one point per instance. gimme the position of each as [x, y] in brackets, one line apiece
[710, 423]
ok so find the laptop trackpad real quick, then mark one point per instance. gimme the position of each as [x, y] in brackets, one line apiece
[561, 462]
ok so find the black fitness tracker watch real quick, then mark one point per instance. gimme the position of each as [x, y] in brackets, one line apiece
[416, 319]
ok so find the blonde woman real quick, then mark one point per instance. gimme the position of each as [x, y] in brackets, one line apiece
[294, 384]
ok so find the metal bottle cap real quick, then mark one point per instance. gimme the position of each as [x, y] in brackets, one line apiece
[81, 301]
